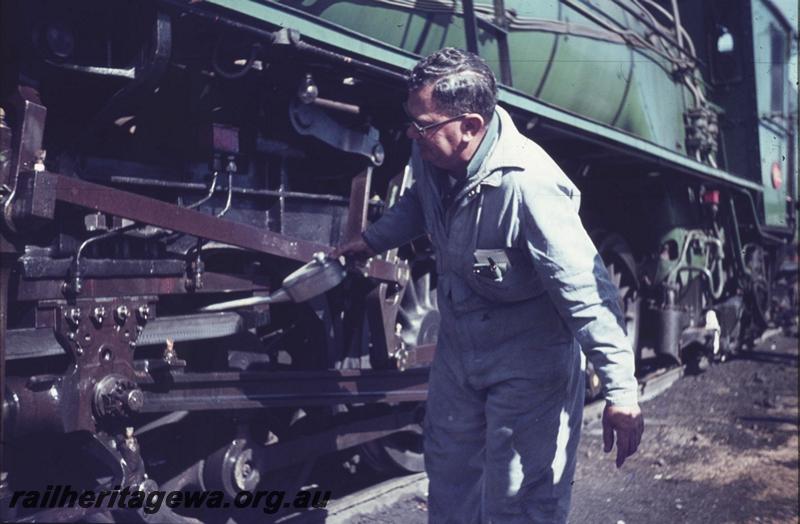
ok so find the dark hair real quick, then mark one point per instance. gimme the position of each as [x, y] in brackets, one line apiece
[462, 82]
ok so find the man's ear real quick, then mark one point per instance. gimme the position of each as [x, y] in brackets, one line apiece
[472, 125]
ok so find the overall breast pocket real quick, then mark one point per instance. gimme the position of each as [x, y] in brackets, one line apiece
[504, 275]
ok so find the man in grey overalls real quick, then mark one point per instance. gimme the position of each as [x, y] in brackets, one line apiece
[521, 290]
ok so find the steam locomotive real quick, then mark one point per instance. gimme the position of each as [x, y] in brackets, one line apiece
[173, 174]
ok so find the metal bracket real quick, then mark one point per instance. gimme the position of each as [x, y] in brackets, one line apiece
[311, 120]
[26, 143]
[145, 78]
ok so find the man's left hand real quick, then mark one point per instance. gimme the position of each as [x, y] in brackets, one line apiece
[627, 423]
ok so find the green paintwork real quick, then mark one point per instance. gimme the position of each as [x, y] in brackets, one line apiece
[589, 127]
[584, 76]
[773, 137]
[695, 254]
[377, 47]
[664, 265]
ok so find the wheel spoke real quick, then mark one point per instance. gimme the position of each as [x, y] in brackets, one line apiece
[411, 300]
[616, 276]
[423, 285]
[419, 318]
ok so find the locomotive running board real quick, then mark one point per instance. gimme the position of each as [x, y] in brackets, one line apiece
[39, 192]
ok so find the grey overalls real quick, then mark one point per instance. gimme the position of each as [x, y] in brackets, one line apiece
[521, 290]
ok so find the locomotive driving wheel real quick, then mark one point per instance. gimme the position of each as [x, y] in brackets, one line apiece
[418, 322]
[618, 259]
[758, 291]
[419, 313]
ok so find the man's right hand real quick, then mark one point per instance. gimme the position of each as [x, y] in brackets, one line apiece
[356, 249]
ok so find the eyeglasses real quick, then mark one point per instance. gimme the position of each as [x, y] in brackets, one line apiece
[423, 130]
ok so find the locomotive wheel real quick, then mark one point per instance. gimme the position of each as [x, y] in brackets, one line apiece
[419, 319]
[235, 468]
[619, 262]
[398, 453]
[758, 292]
[419, 313]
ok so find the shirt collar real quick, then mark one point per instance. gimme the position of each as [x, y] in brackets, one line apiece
[477, 160]
[507, 149]
[512, 150]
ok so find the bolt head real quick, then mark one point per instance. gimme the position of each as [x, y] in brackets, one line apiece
[99, 314]
[308, 90]
[73, 315]
[121, 313]
[135, 400]
[143, 312]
